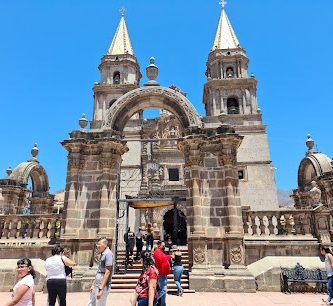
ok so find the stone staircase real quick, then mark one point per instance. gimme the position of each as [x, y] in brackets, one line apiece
[125, 282]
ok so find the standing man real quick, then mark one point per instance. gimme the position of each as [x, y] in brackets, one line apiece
[163, 267]
[100, 288]
[139, 243]
[129, 239]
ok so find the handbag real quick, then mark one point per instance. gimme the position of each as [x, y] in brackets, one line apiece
[68, 269]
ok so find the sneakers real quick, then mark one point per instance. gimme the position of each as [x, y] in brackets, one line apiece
[181, 291]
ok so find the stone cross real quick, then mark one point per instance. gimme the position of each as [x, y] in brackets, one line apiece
[223, 3]
[123, 10]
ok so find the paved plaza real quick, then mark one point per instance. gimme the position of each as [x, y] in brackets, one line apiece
[198, 299]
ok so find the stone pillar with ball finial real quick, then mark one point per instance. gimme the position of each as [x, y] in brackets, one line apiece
[152, 73]
[34, 153]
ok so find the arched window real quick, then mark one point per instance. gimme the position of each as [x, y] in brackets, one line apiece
[116, 78]
[230, 72]
[232, 106]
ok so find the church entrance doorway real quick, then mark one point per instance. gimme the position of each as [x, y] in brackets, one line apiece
[175, 226]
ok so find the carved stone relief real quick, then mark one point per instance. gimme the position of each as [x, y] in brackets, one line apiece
[236, 255]
[180, 101]
[199, 255]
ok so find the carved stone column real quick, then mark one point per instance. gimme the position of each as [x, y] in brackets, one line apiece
[227, 160]
[237, 277]
[2, 207]
[71, 212]
[323, 224]
[197, 239]
[11, 195]
[227, 157]
[91, 191]
[144, 161]
[191, 147]
[221, 244]
[109, 182]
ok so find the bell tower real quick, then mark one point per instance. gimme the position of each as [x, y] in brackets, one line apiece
[230, 97]
[228, 90]
[120, 73]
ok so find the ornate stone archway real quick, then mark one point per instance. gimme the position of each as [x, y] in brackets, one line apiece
[37, 173]
[151, 97]
[17, 196]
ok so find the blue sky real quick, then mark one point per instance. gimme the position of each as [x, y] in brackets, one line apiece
[50, 51]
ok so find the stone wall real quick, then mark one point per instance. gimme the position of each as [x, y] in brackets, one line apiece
[258, 188]
[12, 251]
[258, 250]
[267, 271]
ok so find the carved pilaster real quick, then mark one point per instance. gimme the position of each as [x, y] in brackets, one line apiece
[228, 159]
[10, 195]
[74, 155]
[236, 254]
[322, 217]
[225, 148]
[109, 162]
[198, 254]
[194, 156]
[192, 149]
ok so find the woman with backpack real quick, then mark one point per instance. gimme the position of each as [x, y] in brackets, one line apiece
[56, 276]
[145, 289]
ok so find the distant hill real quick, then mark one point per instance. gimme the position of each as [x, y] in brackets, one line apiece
[284, 199]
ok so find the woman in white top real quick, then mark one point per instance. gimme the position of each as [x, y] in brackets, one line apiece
[23, 291]
[56, 276]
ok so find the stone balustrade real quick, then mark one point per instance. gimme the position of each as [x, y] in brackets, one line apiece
[33, 227]
[278, 223]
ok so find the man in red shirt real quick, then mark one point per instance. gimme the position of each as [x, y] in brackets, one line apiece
[163, 267]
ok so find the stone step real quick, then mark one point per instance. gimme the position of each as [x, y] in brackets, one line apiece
[184, 251]
[123, 255]
[121, 261]
[135, 271]
[134, 280]
[132, 286]
[138, 269]
[139, 264]
[125, 282]
[131, 277]
[172, 291]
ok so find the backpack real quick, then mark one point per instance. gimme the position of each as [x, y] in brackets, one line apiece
[68, 269]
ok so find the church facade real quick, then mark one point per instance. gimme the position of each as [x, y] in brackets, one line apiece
[199, 172]
[206, 181]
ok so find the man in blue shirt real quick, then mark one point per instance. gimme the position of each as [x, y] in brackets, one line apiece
[101, 286]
